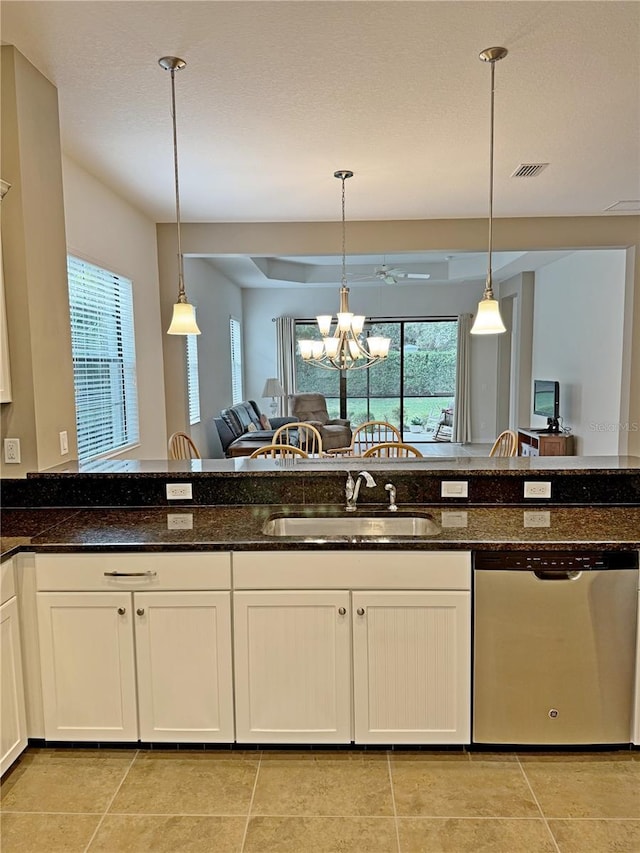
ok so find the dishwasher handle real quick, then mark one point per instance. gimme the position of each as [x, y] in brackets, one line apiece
[557, 574]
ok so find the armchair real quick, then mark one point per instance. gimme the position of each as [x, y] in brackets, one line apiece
[312, 408]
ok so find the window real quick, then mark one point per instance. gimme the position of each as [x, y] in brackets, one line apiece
[104, 359]
[193, 379]
[235, 333]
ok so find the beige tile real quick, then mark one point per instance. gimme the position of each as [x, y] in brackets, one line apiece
[188, 783]
[169, 834]
[323, 786]
[597, 836]
[53, 833]
[321, 835]
[434, 788]
[54, 780]
[607, 786]
[468, 835]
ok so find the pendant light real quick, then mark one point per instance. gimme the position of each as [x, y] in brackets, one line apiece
[344, 349]
[488, 320]
[183, 321]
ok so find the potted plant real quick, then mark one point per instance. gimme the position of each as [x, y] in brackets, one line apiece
[415, 424]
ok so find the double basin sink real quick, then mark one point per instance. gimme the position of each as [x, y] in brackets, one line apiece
[370, 525]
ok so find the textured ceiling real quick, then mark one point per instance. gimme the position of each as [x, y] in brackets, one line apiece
[278, 95]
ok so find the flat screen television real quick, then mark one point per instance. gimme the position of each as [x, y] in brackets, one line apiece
[546, 402]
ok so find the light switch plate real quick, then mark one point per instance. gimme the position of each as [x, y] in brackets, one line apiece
[454, 489]
[537, 489]
[12, 450]
[537, 518]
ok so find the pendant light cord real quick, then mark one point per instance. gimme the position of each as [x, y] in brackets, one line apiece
[181, 291]
[344, 238]
[489, 285]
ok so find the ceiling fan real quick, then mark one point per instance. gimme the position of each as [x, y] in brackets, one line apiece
[392, 275]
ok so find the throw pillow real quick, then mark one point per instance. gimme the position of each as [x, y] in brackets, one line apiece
[252, 428]
[264, 422]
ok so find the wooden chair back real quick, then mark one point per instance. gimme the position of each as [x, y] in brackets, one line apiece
[278, 451]
[390, 449]
[506, 444]
[305, 435]
[182, 447]
[371, 433]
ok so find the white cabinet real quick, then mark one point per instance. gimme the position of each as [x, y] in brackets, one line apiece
[636, 724]
[293, 673]
[13, 726]
[411, 666]
[152, 663]
[397, 661]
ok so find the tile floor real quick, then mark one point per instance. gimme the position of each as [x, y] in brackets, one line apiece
[310, 801]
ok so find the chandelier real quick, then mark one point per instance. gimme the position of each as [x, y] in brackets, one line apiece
[183, 321]
[488, 320]
[345, 348]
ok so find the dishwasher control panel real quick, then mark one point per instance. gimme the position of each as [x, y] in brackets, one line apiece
[533, 561]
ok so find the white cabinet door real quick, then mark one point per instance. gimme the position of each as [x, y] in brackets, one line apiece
[636, 725]
[412, 667]
[183, 650]
[292, 667]
[13, 725]
[88, 674]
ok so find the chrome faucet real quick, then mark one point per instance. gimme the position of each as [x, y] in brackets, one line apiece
[352, 488]
[392, 497]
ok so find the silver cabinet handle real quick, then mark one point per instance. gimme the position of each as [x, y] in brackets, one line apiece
[360, 611]
[342, 610]
[140, 611]
[122, 611]
[149, 574]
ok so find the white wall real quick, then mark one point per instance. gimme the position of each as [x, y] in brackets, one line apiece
[261, 305]
[102, 228]
[578, 340]
[216, 300]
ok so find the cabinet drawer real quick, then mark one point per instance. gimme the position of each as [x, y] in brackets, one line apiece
[352, 569]
[7, 581]
[128, 571]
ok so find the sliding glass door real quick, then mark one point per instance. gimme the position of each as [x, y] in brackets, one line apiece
[410, 389]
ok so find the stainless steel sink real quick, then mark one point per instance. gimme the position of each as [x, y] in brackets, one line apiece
[328, 526]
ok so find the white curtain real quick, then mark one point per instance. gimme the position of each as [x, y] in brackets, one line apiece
[285, 357]
[462, 408]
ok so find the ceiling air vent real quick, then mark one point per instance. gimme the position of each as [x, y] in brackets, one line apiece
[529, 170]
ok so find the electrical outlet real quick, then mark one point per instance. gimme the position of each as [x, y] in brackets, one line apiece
[12, 450]
[179, 521]
[454, 489]
[453, 519]
[179, 492]
[537, 518]
[537, 489]
[64, 443]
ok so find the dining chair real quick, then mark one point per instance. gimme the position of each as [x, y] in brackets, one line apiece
[182, 447]
[278, 451]
[302, 435]
[506, 444]
[390, 449]
[371, 433]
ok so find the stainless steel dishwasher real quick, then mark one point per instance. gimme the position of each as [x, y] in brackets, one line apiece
[554, 645]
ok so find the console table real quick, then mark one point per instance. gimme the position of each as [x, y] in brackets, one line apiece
[533, 442]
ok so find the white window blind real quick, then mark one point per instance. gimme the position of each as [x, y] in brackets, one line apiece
[104, 359]
[235, 334]
[193, 379]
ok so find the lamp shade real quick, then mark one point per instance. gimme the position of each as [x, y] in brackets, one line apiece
[272, 388]
[488, 320]
[183, 321]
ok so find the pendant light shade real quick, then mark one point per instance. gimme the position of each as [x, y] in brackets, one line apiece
[488, 320]
[183, 321]
[344, 349]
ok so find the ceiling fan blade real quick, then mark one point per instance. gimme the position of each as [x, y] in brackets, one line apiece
[423, 275]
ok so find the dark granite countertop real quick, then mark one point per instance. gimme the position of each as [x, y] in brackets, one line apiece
[240, 528]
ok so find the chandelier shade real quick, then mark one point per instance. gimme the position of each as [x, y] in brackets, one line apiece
[183, 320]
[488, 320]
[345, 348]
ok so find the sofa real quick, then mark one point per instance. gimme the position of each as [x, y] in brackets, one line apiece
[245, 423]
[312, 408]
